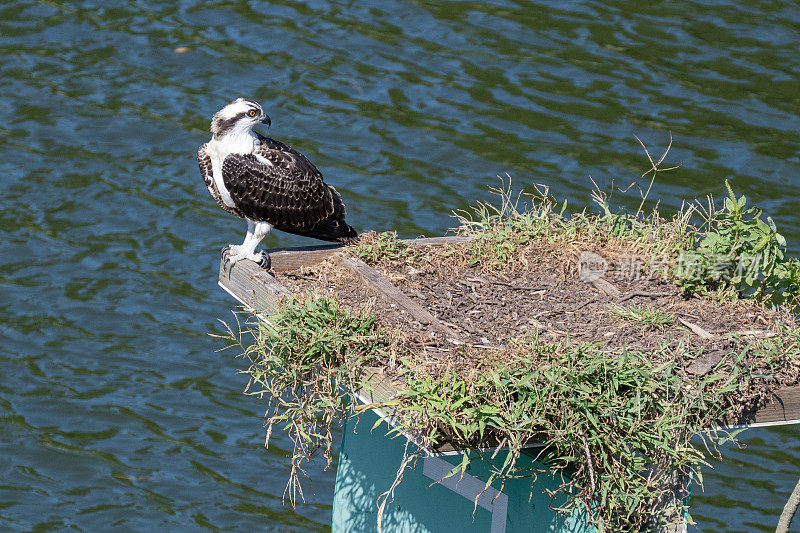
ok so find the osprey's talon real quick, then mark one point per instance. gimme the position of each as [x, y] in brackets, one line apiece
[260, 258]
[264, 262]
[227, 266]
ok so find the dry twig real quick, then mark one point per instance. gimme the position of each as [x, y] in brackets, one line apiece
[788, 511]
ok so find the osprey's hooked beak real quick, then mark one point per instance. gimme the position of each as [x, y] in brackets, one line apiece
[266, 120]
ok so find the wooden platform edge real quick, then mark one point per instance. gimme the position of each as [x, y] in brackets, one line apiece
[781, 409]
[256, 289]
[287, 259]
[259, 292]
[381, 390]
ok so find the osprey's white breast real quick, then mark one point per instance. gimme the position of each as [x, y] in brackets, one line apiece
[218, 150]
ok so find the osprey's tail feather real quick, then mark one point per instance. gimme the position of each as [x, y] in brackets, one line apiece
[332, 230]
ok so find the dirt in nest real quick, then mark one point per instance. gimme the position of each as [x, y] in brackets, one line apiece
[547, 294]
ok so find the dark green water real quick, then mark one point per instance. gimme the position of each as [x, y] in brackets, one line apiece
[116, 412]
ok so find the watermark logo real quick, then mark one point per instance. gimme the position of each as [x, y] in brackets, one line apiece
[591, 266]
[634, 267]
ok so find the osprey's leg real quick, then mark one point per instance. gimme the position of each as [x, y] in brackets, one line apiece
[235, 249]
[256, 231]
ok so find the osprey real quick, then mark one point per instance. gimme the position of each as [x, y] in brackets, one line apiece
[267, 183]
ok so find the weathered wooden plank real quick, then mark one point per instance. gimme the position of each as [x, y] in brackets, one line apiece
[288, 259]
[252, 286]
[258, 290]
[431, 241]
[379, 395]
[783, 408]
[382, 388]
[375, 281]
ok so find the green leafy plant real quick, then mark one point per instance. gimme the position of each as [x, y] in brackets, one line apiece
[373, 247]
[738, 249]
[618, 425]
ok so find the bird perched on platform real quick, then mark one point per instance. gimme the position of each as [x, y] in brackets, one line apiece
[267, 183]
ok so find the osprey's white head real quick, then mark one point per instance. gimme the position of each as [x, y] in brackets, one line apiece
[238, 118]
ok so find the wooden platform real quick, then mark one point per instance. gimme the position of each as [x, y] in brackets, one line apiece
[260, 292]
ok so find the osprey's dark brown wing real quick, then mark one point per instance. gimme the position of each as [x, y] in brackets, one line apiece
[277, 184]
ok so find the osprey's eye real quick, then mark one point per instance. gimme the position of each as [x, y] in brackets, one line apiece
[252, 113]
